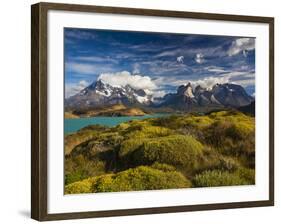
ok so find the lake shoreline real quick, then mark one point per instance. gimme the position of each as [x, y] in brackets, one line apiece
[72, 125]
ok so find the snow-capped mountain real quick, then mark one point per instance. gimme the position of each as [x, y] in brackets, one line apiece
[223, 95]
[100, 93]
[186, 98]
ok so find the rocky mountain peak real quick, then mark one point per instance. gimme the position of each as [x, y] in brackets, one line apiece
[222, 95]
[100, 93]
[186, 90]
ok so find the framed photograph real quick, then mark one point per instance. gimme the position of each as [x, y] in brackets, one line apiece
[138, 111]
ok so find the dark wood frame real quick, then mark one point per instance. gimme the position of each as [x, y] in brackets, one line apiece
[39, 110]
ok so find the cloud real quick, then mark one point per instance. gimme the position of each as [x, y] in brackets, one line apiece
[72, 89]
[245, 53]
[199, 58]
[240, 78]
[244, 79]
[136, 68]
[172, 52]
[87, 68]
[162, 67]
[79, 34]
[210, 81]
[80, 68]
[241, 45]
[96, 59]
[159, 93]
[180, 59]
[126, 78]
[215, 69]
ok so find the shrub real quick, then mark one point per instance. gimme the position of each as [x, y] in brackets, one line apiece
[230, 138]
[178, 150]
[147, 131]
[213, 160]
[162, 166]
[219, 178]
[78, 168]
[130, 145]
[247, 174]
[102, 142]
[84, 186]
[188, 121]
[140, 178]
[74, 176]
[72, 140]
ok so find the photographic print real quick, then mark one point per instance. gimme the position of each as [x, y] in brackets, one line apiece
[151, 111]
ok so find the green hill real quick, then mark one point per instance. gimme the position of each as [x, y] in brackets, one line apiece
[111, 111]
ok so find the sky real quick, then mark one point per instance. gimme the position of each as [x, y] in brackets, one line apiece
[156, 62]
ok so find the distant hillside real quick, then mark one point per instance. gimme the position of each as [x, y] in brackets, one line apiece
[248, 109]
[111, 111]
[70, 115]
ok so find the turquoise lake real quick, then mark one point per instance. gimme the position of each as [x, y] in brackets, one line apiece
[73, 125]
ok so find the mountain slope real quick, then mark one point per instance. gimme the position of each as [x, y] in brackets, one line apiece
[220, 95]
[100, 94]
[103, 94]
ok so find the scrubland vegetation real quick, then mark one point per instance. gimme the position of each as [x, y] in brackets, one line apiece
[110, 111]
[177, 151]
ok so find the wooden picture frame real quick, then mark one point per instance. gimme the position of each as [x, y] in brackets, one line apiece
[39, 108]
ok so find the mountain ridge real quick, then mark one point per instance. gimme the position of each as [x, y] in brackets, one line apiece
[186, 98]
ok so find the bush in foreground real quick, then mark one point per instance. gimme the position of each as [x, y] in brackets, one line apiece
[224, 178]
[137, 179]
[140, 178]
[178, 150]
[83, 186]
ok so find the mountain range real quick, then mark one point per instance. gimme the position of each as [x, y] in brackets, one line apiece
[186, 98]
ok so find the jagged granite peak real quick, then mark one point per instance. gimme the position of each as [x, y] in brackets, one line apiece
[232, 95]
[226, 95]
[185, 90]
[186, 98]
[199, 90]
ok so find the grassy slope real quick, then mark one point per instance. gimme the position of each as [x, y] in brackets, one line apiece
[211, 150]
[70, 115]
[114, 111]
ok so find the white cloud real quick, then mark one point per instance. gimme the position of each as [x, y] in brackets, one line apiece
[80, 34]
[180, 59]
[97, 59]
[241, 78]
[241, 44]
[158, 67]
[136, 68]
[87, 68]
[169, 53]
[126, 78]
[215, 69]
[199, 58]
[245, 53]
[159, 93]
[72, 89]
[80, 68]
[209, 82]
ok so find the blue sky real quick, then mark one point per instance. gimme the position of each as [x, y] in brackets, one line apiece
[156, 62]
